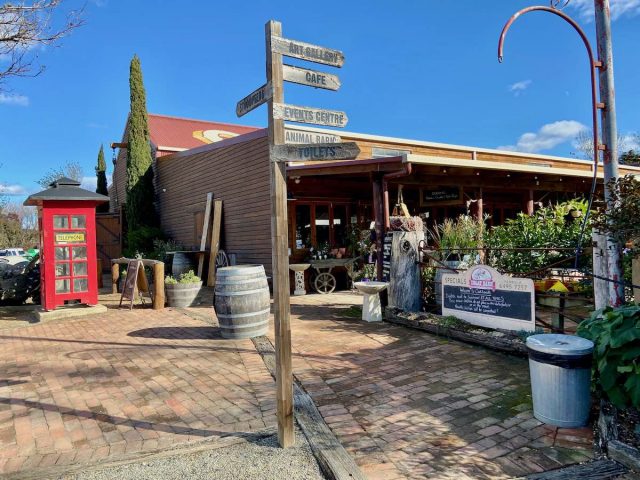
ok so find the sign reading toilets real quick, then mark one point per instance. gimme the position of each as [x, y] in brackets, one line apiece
[484, 297]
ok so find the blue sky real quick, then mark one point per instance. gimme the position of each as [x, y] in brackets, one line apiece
[422, 69]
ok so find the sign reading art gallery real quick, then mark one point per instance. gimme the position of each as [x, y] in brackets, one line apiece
[484, 297]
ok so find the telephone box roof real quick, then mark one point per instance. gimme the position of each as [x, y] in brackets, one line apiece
[65, 189]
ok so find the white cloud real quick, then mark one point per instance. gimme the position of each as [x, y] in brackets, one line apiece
[519, 87]
[629, 141]
[619, 8]
[549, 136]
[14, 99]
[91, 183]
[12, 190]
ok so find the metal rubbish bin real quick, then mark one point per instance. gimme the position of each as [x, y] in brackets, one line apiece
[560, 367]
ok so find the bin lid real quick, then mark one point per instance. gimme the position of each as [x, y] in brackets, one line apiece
[558, 344]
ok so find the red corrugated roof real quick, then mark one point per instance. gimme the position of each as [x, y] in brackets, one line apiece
[176, 132]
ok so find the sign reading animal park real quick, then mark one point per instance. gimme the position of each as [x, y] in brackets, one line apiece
[303, 136]
[254, 99]
[484, 297]
[317, 116]
[319, 151]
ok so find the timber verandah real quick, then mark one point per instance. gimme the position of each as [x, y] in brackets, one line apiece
[326, 198]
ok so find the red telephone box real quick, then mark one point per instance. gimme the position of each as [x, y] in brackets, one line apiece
[68, 256]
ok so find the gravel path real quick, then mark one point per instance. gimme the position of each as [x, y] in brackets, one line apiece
[261, 459]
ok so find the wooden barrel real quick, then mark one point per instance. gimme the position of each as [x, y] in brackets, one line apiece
[182, 263]
[242, 301]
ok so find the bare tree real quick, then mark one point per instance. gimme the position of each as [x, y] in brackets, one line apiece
[584, 145]
[26, 26]
[71, 170]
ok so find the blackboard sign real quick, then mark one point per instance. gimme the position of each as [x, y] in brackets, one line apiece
[503, 303]
[440, 196]
[134, 282]
[484, 297]
[386, 256]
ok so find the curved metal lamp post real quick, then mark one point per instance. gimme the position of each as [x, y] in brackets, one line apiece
[593, 66]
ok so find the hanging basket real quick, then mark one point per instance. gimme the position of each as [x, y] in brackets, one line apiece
[406, 224]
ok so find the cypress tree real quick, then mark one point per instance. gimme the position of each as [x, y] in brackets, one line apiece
[101, 184]
[140, 193]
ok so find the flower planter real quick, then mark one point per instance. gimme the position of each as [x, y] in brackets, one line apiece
[182, 294]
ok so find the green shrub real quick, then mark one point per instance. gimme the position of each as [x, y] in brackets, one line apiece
[185, 278]
[548, 228]
[141, 240]
[616, 335]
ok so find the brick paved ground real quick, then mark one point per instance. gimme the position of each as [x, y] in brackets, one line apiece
[100, 388]
[411, 405]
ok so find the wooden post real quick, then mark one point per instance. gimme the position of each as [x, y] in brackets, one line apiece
[480, 218]
[215, 242]
[635, 279]
[158, 286]
[530, 203]
[378, 206]
[100, 285]
[205, 233]
[280, 247]
[115, 276]
[600, 286]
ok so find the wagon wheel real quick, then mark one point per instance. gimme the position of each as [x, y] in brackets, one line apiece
[325, 283]
[221, 259]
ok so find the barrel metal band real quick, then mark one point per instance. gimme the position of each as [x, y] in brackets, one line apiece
[242, 315]
[235, 294]
[238, 327]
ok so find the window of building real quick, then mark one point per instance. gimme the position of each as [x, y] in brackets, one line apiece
[317, 223]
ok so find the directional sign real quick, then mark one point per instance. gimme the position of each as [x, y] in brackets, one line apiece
[312, 78]
[302, 136]
[316, 116]
[320, 151]
[254, 99]
[307, 51]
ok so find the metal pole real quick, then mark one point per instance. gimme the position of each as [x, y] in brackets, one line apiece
[609, 138]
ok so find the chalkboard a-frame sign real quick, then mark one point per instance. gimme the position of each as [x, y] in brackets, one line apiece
[484, 297]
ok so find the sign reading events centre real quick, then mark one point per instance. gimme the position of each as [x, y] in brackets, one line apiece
[484, 297]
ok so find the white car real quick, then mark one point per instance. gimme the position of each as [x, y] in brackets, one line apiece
[12, 252]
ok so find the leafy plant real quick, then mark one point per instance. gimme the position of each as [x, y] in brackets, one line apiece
[141, 240]
[622, 221]
[185, 278]
[368, 272]
[616, 335]
[550, 228]
[459, 236]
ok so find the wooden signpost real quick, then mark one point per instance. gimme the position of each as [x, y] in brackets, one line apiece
[311, 78]
[306, 51]
[317, 148]
[319, 151]
[316, 116]
[303, 136]
[254, 100]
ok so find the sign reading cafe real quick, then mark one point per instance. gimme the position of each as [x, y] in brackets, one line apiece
[484, 297]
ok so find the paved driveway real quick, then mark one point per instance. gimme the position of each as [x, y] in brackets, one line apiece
[101, 388]
[408, 404]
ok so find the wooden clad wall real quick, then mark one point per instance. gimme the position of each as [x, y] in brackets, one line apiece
[239, 175]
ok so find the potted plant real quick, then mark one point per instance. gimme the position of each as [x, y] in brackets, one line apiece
[182, 292]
